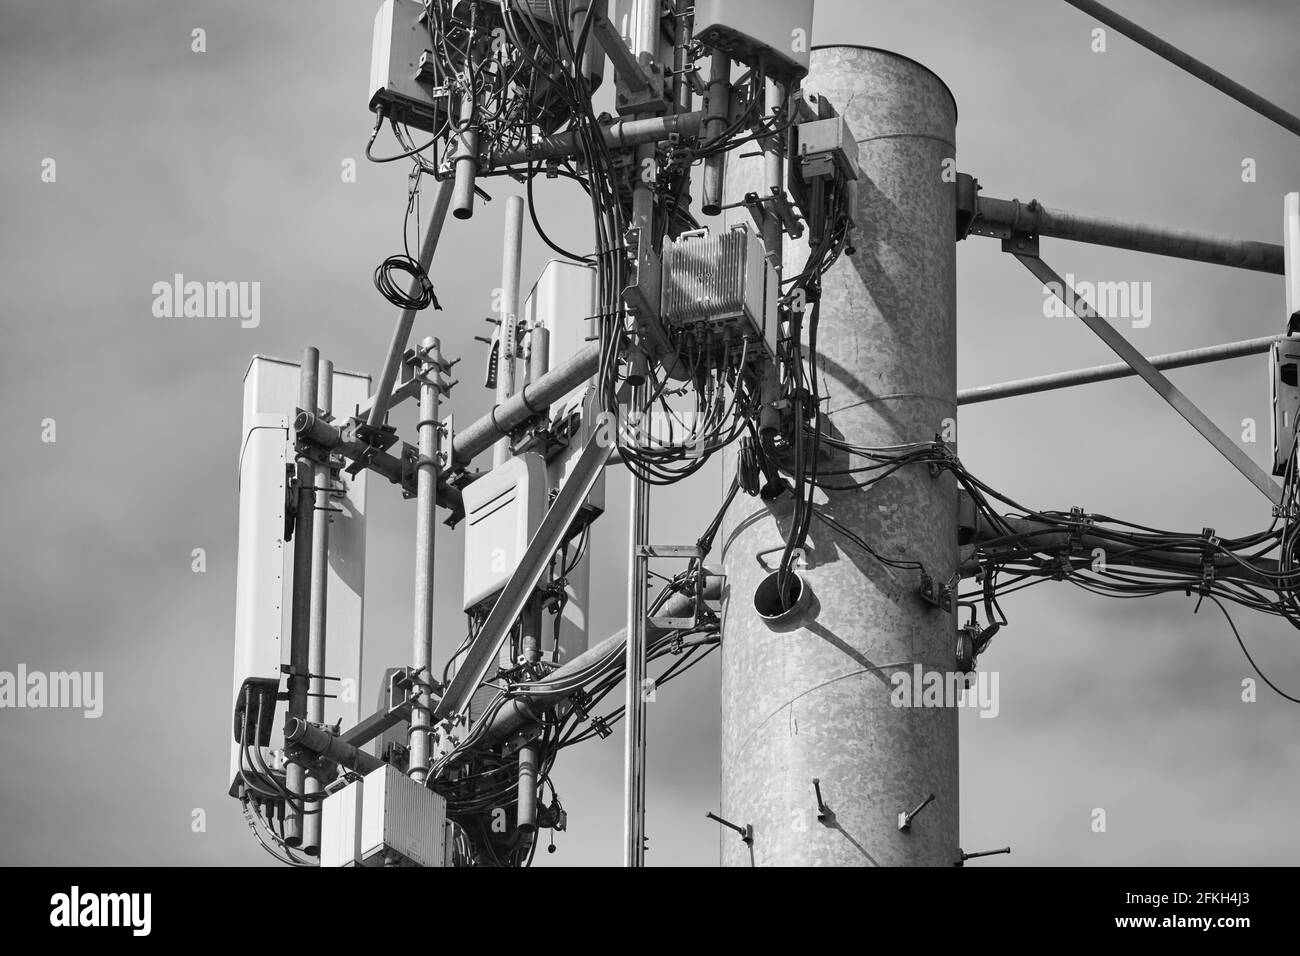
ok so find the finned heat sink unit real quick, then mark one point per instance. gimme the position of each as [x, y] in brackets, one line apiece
[384, 819]
[720, 285]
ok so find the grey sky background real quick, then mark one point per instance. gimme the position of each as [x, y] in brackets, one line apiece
[226, 166]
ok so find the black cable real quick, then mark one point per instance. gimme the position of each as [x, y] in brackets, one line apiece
[389, 288]
[1279, 691]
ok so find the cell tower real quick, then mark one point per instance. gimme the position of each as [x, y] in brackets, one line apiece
[772, 279]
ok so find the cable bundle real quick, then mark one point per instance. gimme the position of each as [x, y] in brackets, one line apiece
[421, 295]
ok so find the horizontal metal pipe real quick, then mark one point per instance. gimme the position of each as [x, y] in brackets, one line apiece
[620, 134]
[372, 726]
[996, 217]
[1186, 61]
[330, 437]
[479, 435]
[312, 738]
[482, 434]
[1105, 373]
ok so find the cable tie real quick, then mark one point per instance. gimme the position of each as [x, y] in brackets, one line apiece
[1080, 523]
[1209, 547]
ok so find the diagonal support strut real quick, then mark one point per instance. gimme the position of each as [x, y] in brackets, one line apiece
[510, 603]
[1149, 374]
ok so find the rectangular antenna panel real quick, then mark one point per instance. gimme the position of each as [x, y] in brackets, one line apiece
[264, 563]
[1291, 247]
[776, 33]
[1284, 378]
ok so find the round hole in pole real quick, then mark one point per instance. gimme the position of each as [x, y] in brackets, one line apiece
[776, 607]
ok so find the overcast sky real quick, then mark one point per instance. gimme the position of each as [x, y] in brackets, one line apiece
[225, 165]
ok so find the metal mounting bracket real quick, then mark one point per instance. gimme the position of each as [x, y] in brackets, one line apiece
[641, 81]
[693, 552]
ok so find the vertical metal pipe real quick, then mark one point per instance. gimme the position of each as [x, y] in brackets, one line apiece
[645, 32]
[593, 57]
[526, 818]
[645, 44]
[508, 334]
[539, 355]
[634, 744]
[531, 651]
[774, 243]
[466, 162]
[774, 180]
[716, 109]
[426, 490]
[320, 530]
[300, 612]
[319, 557]
[402, 333]
[812, 696]
[539, 360]
[683, 95]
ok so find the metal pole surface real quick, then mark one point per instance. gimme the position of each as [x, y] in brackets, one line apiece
[811, 697]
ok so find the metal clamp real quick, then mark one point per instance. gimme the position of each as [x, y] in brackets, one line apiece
[695, 553]
[940, 595]
[1022, 236]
